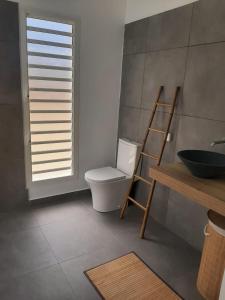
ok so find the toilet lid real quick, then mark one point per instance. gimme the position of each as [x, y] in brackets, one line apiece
[104, 174]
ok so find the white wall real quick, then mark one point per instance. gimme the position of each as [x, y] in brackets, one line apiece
[139, 9]
[101, 50]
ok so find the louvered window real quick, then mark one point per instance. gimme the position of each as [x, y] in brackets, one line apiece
[50, 84]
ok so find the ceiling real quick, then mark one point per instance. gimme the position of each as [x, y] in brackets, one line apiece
[139, 9]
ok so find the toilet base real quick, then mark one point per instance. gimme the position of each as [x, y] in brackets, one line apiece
[109, 196]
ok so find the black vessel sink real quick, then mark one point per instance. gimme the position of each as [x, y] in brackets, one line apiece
[203, 164]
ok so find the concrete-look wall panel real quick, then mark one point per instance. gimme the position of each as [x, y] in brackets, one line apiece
[128, 127]
[163, 68]
[170, 29]
[132, 78]
[10, 84]
[186, 219]
[12, 165]
[13, 192]
[11, 132]
[196, 133]
[208, 22]
[9, 29]
[204, 88]
[135, 37]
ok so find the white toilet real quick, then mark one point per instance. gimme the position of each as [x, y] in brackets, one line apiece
[109, 185]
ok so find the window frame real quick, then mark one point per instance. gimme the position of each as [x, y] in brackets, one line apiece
[24, 13]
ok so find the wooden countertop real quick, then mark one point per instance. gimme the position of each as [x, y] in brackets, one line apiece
[209, 193]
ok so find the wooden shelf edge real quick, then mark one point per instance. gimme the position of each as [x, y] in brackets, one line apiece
[160, 175]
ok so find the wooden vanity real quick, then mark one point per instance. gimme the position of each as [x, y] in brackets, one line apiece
[209, 193]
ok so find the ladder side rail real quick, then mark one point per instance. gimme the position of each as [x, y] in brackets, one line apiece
[147, 130]
[169, 124]
[149, 201]
[126, 201]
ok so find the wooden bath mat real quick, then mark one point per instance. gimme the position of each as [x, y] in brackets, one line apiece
[128, 277]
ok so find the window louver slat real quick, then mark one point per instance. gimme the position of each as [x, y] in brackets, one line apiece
[50, 142]
[39, 84]
[37, 158]
[50, 106]
[50, 127]
[48, 37]
[51, 25]
[50, 81]
[50, 95]
[50, 62]
[51, 147]
[51, 166]
[53, 174]
[49, 55]
[41, 72]
[49, 67]
[47, 49]
[49, 43]
[51, 31]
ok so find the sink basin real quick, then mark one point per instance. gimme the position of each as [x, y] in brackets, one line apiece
[203, 164]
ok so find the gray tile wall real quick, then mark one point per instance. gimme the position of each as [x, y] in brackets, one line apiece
[184, 46]
[12, 166]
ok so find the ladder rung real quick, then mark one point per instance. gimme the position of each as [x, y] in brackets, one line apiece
[143, 179]
[157, 130]
[170, 109]
[163, 104]
[137, 204]
[150, 155]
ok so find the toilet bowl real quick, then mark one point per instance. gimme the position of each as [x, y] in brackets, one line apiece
[109, 185]
[107, 193]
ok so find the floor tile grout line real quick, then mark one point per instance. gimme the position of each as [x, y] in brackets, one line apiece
[59, 260]
[36, 269]
[57, 221]
[21, 230]
[59, 264]
[12, 278]
[38, 227]
[60, 220]
[67, 280]
[65, 260]
[50, 247]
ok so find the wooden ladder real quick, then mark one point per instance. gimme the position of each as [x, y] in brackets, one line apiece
[157, 159]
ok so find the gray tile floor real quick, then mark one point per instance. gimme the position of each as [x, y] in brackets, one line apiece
[45, 249]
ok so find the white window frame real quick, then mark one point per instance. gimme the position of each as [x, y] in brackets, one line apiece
[24, 13]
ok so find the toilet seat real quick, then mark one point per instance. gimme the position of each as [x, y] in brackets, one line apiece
[105, 174]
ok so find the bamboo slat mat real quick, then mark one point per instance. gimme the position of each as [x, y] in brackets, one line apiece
[128, 277]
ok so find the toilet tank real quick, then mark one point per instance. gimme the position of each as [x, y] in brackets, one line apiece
[127, 156]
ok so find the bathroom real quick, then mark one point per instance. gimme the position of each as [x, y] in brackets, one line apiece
[124, 51]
